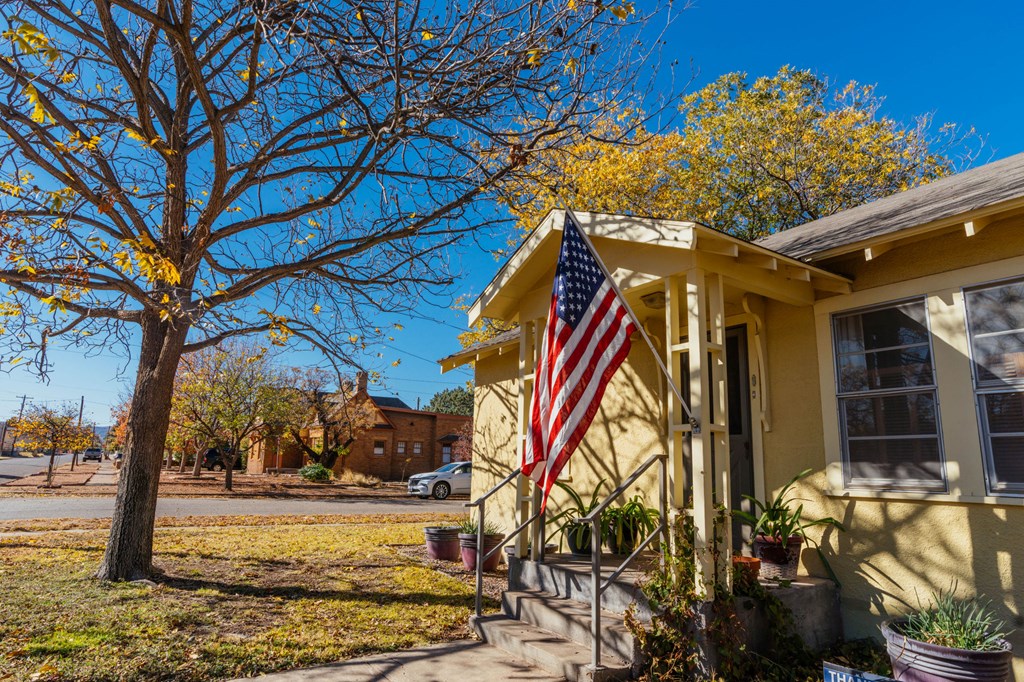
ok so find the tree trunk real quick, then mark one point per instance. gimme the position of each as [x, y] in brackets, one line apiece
[181, 464]
[197, 468]
[129, 553]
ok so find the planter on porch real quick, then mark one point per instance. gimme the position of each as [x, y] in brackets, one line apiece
[442, 542]
[914, 661]
[779, 560]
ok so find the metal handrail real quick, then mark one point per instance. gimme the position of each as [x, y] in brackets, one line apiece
[596, 511]
[479, 503]
[597, 586]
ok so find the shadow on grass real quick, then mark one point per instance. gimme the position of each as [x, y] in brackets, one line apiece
[303, 592]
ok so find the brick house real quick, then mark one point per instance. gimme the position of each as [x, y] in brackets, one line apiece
[401, 441]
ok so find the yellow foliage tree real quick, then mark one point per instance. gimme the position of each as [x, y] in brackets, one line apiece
[750, 158]
[49, 430]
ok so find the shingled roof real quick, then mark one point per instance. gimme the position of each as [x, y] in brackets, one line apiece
[942, 200]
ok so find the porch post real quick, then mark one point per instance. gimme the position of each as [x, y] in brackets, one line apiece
[675, 426]
[701, 443]
[720, 428]
[523, 493]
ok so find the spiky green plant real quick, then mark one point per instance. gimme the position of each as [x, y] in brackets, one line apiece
[957, 623]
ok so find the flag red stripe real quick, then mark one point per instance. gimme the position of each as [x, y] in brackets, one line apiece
[578, 388]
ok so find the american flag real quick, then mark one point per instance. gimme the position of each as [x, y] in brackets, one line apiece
[585, 341]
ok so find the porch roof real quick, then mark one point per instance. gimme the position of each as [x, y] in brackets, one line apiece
[536, 257]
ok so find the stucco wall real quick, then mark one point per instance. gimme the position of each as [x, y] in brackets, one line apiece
[896, 551]
[627, 430]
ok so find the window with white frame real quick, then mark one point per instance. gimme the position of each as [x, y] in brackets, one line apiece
[379, 447]
[417, 448]
[995, 321]
[888, 404]
[400, 447]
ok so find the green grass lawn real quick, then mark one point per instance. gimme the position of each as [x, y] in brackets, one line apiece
[233, 601]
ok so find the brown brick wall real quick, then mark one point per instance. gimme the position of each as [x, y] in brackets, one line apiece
[400, 426]
[410, 427]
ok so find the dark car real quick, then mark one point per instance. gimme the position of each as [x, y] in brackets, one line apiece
[215, 461]
[92, 453]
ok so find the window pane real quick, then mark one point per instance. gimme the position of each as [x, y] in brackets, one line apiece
[886, 369]
[891, 463]
[1008, 461]
[1004, 411]
[900, 325]
[999, 359]
[996, 309]
[894, 415]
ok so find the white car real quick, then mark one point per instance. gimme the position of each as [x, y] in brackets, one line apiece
[451, 479]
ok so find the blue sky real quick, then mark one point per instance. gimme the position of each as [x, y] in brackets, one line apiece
[959, 61]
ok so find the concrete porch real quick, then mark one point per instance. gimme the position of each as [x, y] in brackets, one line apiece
[545, 616]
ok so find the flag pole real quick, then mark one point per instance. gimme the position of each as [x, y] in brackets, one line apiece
[694, 424]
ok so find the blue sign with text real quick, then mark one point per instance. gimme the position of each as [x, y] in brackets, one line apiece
[837, 673]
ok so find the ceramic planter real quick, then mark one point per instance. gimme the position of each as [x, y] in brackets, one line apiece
[467, 545]
[779, 560]
[914, 661]
[577, 537]
[442, 542]
[747, 566]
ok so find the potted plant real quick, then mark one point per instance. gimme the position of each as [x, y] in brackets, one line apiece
[779, 530]
[493, 537]
[625, 527]
[746, 567]
[954, 639]
[576, 535]
[442, 542]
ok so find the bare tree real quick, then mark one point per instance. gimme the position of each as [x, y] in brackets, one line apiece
[179, 172]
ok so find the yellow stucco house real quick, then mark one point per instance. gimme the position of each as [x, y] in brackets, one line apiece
[882, 347]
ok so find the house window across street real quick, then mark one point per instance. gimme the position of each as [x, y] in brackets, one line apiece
[995, 321]
[417, 448]
[887, 398]
[400, 447]
[378, 447]
[446, 453]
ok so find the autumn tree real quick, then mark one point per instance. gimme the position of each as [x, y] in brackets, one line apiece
[462, 449]
[457, 400]
[224, 395]
[52, 429]
[179, 172]
[342, 413]
[748, 158]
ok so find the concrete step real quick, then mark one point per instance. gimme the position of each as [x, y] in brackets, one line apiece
[571, 620]
[568, 577]
[548, 651]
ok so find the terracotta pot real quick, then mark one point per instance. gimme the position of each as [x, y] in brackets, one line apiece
[442, 542]
[914, 661]
[779, 560]
[749, 567]
[467, 545]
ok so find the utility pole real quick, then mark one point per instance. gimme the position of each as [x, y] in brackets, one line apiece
[21, 412]
[74, 456]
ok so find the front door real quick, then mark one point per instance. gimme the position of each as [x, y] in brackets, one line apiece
[741, 450]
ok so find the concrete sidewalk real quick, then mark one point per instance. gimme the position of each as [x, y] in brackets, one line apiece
[464, 661]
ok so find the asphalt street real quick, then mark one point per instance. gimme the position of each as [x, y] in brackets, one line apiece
[16, 467]
[59, 507]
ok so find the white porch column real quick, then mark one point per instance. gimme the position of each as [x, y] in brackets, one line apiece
[701, 442]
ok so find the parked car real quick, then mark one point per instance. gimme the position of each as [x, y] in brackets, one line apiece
[92, 453]
[215, 461]
[450, 479]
